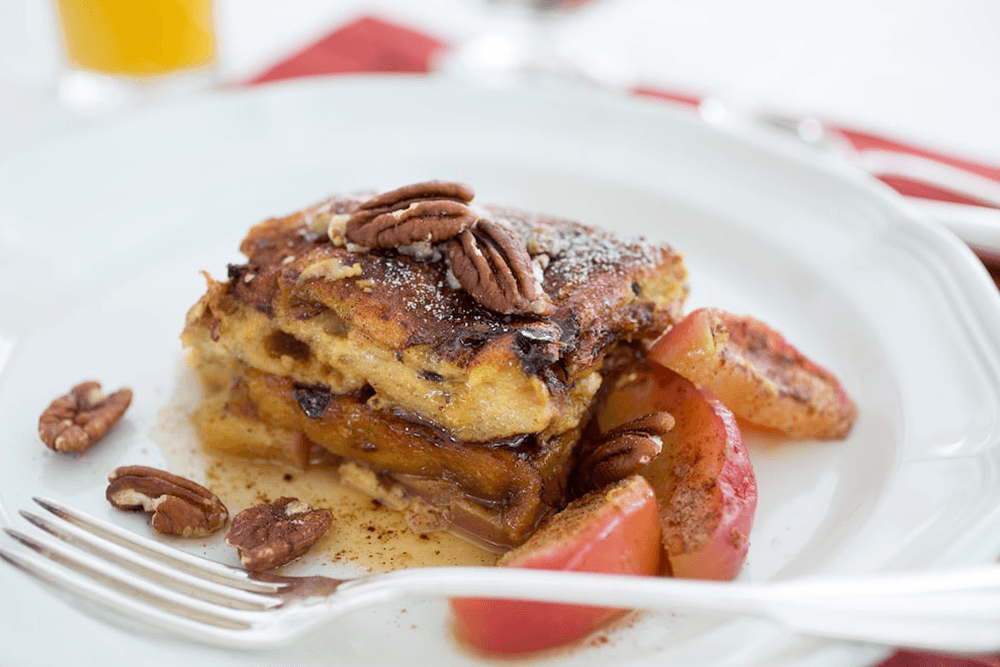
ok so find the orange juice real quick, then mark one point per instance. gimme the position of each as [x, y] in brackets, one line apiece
[137, 38]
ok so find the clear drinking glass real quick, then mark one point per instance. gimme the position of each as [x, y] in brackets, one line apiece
[124, 52]
[524, 43]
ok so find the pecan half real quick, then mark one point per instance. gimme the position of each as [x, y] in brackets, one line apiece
[622, 451]
[401, 199]
[76, 421]
[493, 265]
[428, 221]
[179, 506]
[272, 534]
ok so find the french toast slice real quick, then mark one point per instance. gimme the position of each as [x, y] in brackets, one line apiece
[406, 375]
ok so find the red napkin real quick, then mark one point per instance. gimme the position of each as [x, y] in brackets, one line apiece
[365, 45]
[369, 44]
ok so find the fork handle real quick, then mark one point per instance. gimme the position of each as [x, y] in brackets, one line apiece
[956, 611]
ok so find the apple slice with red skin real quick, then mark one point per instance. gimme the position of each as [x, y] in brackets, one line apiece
[703, 477]
[757, 374]
[612, 530]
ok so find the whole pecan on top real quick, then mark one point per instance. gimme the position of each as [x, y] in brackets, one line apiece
[494, 267]
[76, 421]
[430, 211]
[269, 535]
[178, 505]
[622, 451]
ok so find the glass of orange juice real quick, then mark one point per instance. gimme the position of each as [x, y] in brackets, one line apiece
[126, 51]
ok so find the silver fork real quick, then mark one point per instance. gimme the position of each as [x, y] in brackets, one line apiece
[956, 611]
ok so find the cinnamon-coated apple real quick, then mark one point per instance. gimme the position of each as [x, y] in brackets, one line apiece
[757, 374]
[612, 530]
[703, 477]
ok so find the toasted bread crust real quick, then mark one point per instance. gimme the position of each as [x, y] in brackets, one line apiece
[482, 407]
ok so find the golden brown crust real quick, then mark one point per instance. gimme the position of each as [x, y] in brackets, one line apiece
[382, 358]
[603, 289]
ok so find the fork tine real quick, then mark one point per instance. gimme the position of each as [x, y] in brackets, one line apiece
[175, 558]
[91, 579]
[206, 589]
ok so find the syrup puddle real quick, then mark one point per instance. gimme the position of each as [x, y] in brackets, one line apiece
[364, 536]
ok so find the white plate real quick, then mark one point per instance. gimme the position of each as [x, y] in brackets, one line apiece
[102, 237]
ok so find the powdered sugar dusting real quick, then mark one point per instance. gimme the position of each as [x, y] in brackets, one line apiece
[578, 252]
[591, 276]
[428, 292]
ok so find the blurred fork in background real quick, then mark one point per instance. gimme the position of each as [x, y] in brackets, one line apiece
[962, 196]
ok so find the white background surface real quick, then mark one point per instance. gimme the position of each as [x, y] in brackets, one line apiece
[921, 70]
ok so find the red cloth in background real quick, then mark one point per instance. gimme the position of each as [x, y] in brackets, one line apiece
[365, 45]
[864, 141]
[369, 44]
[910, 659]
